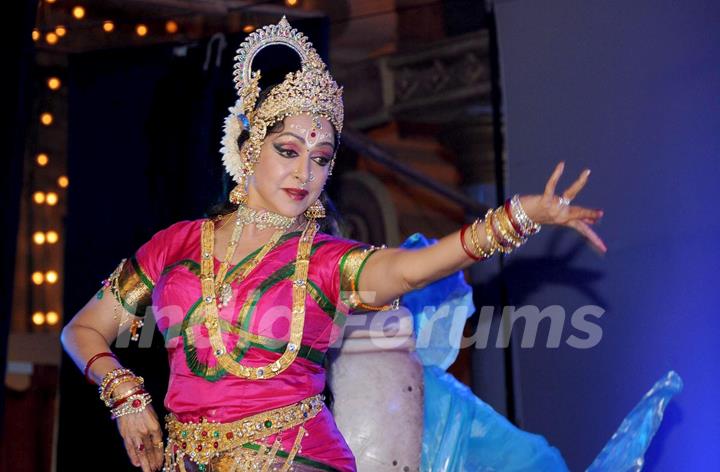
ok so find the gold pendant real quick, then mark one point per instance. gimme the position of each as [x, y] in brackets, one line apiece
[225, 295]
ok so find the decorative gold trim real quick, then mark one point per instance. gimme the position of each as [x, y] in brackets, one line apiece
[297, 323]
[351, 266]
[128, 288]
[205, 440]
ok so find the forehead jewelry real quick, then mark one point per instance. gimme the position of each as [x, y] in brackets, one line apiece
[309, 91]
[312, 136]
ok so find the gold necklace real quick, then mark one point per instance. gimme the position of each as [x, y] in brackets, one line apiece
[299, 295]
[262, 219]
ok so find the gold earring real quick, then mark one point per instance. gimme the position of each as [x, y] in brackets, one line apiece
[316, 210]
[238, 195]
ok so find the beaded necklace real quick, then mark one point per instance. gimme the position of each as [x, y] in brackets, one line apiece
[212, 285]
[245, 216]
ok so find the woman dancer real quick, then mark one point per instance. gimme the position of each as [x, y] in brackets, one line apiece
[249, 302]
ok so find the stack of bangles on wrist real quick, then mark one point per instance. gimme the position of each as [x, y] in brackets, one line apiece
[506, 228]
[134, 400]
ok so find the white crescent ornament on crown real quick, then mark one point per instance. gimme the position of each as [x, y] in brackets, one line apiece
[310, 90]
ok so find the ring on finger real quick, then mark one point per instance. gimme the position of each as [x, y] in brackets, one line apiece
[158, 444]
[564, 201]
[141, 447]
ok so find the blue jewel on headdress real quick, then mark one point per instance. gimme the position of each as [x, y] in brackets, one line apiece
[244, 120]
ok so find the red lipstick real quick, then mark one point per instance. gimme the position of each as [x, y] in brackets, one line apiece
[296, 193]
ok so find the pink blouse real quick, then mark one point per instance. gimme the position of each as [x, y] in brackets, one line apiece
[259, 312]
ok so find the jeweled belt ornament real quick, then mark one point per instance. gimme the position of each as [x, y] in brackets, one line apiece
[205, 440]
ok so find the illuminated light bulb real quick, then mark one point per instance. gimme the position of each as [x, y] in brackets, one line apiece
[141, 30]
[39, 237]
[52, 317]
[108, 26]
[291, 3]
[38, 318]
[50, 1]
[248, 28]
[37, 278]
[51, 276]
[35, 35]
[78, 12]
[51, 198]
[51, 237]
[63, 181]
[54, 83]
[42, 159]
[46, 119]
[171, 27]
[51, 38]
[60, 30]
[39, 198]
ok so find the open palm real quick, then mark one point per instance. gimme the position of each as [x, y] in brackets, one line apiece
[552, 209]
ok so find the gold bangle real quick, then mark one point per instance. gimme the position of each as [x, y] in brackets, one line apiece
[505, 224]
[112, 375]
[494, 244]
[506, 242]
[108, 396]
[484, 254]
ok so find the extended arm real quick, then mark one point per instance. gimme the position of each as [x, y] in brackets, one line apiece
[392, 272]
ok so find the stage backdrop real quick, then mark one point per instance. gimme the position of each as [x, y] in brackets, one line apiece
[629, 89]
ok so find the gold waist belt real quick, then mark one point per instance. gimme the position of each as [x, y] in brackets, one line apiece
[205, 440]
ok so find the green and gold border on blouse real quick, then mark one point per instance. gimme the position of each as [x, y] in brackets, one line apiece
[351, 265]
[247, 340]
[133, 288]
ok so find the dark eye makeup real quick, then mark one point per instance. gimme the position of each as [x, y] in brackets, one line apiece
[289, 153]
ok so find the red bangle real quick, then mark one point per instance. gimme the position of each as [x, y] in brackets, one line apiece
[516, 226]
[93, 359]
[464, 246]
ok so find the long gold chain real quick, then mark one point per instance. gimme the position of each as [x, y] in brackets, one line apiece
[302, 262]
[244, 216]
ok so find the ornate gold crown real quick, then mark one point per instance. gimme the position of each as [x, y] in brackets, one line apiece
[310, 90]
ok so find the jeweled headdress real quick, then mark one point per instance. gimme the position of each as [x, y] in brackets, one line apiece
[310, 90]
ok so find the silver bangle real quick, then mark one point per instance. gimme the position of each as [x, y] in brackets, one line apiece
[528, 225]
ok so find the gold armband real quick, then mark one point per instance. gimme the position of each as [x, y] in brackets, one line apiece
[132, 290]
[351, 266]
[130, 286]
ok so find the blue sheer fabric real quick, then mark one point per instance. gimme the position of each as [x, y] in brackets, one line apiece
[626, 449]
[462, 433]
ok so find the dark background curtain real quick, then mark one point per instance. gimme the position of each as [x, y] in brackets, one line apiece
[144, 136]
[18, 57]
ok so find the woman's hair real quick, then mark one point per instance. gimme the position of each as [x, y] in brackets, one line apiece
[330, 224]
